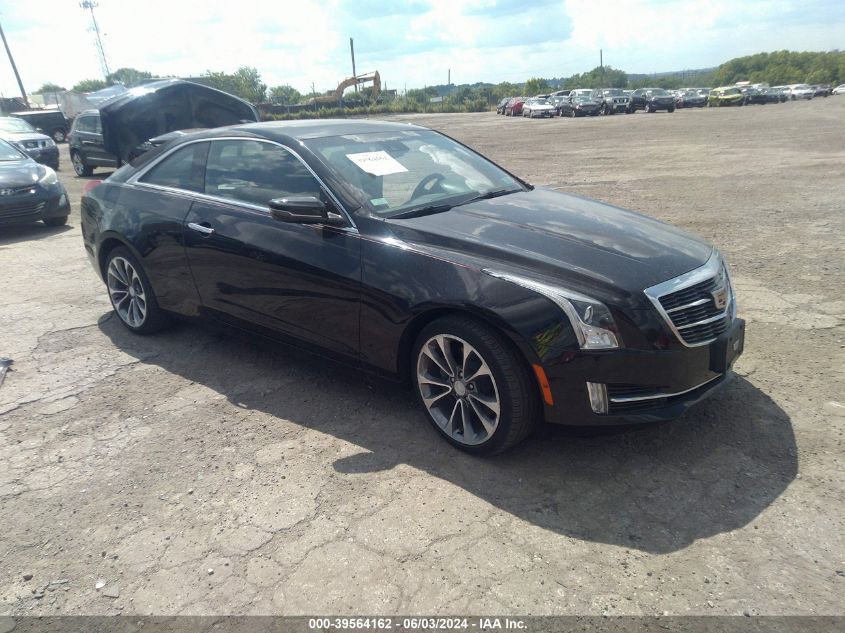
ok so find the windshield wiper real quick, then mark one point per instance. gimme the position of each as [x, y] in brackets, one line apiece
[488, 194]
[440, 208]
[419, 211]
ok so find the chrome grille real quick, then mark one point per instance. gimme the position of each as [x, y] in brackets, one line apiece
[15, 191]
[35, 144]
[690, 306]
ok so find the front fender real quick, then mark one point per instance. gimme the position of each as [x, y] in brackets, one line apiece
[409, 288]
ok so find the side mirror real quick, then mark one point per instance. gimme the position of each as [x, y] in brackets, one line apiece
[39, 130]
[303, 210]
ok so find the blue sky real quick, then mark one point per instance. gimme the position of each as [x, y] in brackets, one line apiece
[411, 42]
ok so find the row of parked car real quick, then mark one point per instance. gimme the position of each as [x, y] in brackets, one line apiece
[593, 102]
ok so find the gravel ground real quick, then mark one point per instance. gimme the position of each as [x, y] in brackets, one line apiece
[197, 473]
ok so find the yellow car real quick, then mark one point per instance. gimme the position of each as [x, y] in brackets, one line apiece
[725, 96]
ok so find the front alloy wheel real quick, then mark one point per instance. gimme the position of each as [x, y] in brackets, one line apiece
[458, 389]
[474, 386]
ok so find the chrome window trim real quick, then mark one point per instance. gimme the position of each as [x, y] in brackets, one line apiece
[626, 399]
[135, 179]
[711, 268]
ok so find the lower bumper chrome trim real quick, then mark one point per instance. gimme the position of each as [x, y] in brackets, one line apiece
[658, 396]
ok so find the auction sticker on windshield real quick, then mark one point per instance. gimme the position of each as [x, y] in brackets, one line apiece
[377, 163]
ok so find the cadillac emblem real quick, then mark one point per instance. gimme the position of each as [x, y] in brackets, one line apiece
[720, 297]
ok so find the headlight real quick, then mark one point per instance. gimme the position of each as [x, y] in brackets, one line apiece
[591, 320]
[49, 178]
[50, 142]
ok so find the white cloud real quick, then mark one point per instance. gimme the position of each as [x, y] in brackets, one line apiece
[410, 42]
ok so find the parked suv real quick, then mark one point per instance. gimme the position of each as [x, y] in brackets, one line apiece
[86, 144]
[53, 123]
[611, 100]
[27, 139]
[651, 100]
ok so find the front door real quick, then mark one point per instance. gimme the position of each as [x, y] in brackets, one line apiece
[299, 280]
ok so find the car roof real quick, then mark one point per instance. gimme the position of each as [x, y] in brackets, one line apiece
[309, 128]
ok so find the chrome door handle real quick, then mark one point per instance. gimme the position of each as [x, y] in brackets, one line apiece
[205, 230]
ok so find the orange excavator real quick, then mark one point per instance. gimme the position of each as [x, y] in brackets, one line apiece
[373, 77]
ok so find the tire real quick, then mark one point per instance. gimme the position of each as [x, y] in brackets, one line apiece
[503, 382]
[79, 165]
[61, 221]
[59, 135]
[670, 110]
[127, 282]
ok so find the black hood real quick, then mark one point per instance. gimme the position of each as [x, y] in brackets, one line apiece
[20, 137]
[562, 236]
[19, 173]
[156, 108]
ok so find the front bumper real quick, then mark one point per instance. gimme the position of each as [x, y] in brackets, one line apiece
[641, 386]
[32, 207]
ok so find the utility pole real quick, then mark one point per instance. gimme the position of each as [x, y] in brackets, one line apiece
[104, 65]
[352, 51]
[14, 67]
[314, 96]
[601, 65]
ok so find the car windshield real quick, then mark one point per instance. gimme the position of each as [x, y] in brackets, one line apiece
[583, 98]
[541, 101]
[7, 152]
[401, 172]
[658, 92]
[11, 124]
[614, 93]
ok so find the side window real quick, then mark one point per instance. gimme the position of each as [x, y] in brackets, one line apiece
[85, 124]
[256, 172]
[183, 169]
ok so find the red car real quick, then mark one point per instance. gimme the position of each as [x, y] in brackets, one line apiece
[514, 107]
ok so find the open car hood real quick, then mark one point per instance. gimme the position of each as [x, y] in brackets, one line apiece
[156, 108]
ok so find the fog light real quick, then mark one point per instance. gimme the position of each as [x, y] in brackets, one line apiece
[598, 396]
[63, 201]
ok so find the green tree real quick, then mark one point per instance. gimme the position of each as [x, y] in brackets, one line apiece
[535, 86]
[90, 85]
[285, 94]
[505, 89]
[422, 95]
[129, 77]
[245, 83]
[598, 77]
[49, 87]
[783, 67]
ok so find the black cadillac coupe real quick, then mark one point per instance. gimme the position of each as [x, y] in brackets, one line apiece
[404, 252]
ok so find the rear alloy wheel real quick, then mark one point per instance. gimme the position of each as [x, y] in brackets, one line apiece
[475, 389]
[58, 135]
[131, 294]
[79, 165]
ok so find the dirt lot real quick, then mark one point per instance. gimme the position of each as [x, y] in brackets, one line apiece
[198, 473]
